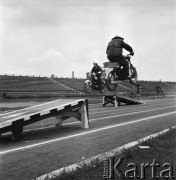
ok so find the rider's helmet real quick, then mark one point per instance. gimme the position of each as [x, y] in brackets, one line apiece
[94, 63]
[117, 37]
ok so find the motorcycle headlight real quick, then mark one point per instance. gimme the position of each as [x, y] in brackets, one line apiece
[95, 78]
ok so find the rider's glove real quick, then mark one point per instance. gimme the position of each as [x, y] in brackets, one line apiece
[132, 53]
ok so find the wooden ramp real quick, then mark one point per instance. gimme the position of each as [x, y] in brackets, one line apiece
[118, 100]
[62, 109]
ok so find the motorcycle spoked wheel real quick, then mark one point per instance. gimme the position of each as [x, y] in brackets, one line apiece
[87, 87]
[110, 86]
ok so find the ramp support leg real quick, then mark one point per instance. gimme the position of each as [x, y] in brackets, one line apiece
[110, 99]
[80, 112]
[17, 130]
[17, 134]
[103, 101]
[115, 99]
[119, 103]
[84, 115]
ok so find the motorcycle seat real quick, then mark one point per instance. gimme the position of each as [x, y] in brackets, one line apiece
[111, 64]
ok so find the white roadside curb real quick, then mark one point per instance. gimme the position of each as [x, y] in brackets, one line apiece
[100, 157]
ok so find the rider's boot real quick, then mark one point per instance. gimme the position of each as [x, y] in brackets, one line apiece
[126, 76]
[116, 76]
[100, 84]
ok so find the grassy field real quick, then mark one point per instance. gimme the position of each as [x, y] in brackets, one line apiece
[158, 154]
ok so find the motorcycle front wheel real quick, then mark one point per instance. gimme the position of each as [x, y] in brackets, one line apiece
[110, 86]
[87, 87]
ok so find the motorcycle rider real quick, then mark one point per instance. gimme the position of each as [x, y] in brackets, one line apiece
[114, 53]
[97, 70]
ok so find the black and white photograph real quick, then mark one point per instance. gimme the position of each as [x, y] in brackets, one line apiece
[87, 89]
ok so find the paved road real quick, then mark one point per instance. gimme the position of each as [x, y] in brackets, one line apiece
[47, 149]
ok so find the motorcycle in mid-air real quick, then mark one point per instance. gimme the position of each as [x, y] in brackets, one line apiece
[92, 83]
[114, 74]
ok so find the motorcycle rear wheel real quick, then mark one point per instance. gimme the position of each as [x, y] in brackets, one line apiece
[87, 87]
[110, 86]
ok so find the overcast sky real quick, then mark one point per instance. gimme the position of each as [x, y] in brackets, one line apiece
[44, 37]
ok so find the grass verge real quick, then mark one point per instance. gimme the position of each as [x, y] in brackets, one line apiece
[136, 162]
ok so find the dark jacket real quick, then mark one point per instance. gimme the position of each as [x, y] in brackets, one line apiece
[116, 45]
[96, 69]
